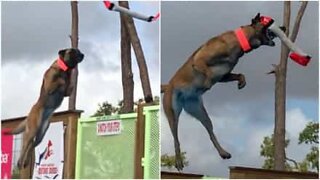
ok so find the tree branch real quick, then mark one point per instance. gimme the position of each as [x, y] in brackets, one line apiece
[293, 161]
[298, 21]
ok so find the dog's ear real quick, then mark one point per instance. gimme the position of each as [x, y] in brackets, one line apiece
[256, 19]
[62, 52]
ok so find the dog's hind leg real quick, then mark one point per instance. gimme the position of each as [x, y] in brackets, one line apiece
[29, 135]
[172, 108]
[44, 126]
[39, 134]
[28, 139]
[194, 106]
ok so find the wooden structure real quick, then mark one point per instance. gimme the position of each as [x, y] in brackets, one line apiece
[69, 119]
[177, 175]
[253, 173]
[139, 145]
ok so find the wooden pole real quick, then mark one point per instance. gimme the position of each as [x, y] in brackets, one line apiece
[74, 44]
[126, 67]
[144, 76]
[280, 72]
[139, 143]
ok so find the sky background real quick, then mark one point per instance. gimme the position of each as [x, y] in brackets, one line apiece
[241, 118]
[34, 32]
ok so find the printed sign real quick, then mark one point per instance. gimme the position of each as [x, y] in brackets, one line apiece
[6, 155]
[109, 127]
[49, 154]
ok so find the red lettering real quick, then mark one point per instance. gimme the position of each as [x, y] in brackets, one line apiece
[53, 170]
[109, 127]
[43, 170]
[102, 128]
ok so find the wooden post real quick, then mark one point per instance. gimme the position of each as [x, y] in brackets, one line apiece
[127, 75]
[280, 72]
[74, 44]
[144, 76]
[70, 147]
[280, 96]
[139, 144]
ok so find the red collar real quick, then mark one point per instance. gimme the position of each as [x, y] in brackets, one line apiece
[61, 64]
[244, 43]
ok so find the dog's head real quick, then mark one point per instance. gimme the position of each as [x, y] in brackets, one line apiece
[262, 33]
[71, 56]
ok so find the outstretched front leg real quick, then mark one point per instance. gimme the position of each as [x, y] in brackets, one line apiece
[235, 77]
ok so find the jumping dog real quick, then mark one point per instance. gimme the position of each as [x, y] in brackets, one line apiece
[55, 86]
[211, 63]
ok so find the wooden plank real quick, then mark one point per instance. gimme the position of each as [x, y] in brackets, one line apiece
[139, 144]
[254, 173]
[70, 147]
[176, 175]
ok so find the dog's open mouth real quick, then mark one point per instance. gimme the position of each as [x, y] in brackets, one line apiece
[270, 35]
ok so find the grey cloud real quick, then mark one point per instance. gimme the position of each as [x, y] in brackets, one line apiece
[41, 28]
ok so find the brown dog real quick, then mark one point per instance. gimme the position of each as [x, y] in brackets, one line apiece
[209, 64]
[55, 86]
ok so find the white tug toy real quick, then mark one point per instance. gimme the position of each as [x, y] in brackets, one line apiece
[297, 54]
[114, 7]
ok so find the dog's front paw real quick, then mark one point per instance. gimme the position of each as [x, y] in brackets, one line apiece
[242, 81]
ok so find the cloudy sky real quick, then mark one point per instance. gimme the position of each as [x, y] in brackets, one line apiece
[241, 118]
[34, 32]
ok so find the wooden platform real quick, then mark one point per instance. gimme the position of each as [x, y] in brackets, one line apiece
[177, 175]
[253, 173]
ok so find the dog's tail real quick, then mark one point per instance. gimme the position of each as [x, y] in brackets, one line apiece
[19, 129]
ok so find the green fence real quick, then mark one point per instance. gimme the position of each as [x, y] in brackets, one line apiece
[112, 156]
[151, 160]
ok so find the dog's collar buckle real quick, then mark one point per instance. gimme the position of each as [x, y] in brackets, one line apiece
[244, 43]
[62, 65]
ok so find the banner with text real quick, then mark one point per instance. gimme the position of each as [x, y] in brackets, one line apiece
[6, 154]
[108, 127]
[49, 154]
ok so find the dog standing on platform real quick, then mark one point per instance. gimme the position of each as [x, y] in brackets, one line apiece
[55, 86]
[209, 64]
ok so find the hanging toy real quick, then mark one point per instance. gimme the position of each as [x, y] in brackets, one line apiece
[297, 54]
[114, 7]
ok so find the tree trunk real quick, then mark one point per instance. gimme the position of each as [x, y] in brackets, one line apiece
[280, 88]
[144, 76]
[74, 44]
[127, 75]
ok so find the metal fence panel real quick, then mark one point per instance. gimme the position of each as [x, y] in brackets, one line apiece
[105, 157]
[109, 157]
[151, 159]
